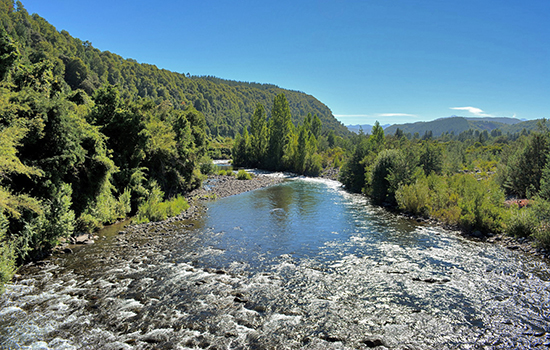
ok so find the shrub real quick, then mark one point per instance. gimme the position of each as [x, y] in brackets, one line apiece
[387, 173]
[7, 255]
[155, 209]
[243, 175]
[522, 222]
[206, 165]
[414, 198]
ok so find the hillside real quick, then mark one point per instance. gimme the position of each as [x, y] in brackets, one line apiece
[227, 105]
[456, 125]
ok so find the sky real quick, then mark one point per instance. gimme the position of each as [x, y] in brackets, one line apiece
[395, 61]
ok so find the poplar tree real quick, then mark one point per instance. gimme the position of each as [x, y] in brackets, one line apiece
[280, 132]
[258, 136]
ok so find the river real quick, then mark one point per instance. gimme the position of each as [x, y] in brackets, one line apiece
[302, 264]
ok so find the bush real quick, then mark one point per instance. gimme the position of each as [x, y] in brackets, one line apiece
[388, 171]
[456, 200]
[244, 175]
[415, 198]
[7, 255]
[155, 209]
[206, 166]
[522, 222]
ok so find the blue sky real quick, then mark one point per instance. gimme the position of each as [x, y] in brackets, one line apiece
[392, 61]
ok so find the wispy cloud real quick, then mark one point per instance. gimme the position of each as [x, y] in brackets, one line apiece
[396, 115]
[376, 115]
[351, 115]
[473, 110]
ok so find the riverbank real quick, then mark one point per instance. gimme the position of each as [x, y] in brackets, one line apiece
[524, 244]
[219, 186]
[215, 186]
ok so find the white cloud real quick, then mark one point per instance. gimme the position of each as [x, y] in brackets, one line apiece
[395, 115]
[351, 115]
[473, 110]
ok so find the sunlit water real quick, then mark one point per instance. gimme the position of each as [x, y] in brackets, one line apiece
[298, 265]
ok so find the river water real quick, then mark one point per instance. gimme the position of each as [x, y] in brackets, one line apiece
[302, 264]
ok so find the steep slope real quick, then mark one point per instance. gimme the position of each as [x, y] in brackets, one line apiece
[227, 105]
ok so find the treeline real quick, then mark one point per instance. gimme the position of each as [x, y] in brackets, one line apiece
[71, 162]
[277, 144]
[463, 180]
[227, 105]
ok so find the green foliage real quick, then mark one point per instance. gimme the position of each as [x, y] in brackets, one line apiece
[352, 174]
[524, 169]
[415, 198]
[244, 175]
[41, 233]
[70, 162]
[155, 209]
[259, 134]
[8, 53]
[385, 175]
[7, 254]
[279, 145]
[227, 105]
[522, 222]
[431, 158]
[206, 165]
[280, 132]
[458, 200]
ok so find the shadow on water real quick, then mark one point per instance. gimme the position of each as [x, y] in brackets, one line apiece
[298, 265]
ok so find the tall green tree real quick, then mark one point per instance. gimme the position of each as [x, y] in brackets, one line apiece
[280, 132]
[258, 136]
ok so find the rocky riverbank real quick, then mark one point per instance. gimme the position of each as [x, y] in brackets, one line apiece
[524, 244]
[217, 186]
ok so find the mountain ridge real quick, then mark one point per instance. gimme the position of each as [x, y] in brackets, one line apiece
[458, 124]
[227, 105]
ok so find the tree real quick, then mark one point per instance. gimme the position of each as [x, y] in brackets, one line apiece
[386, 174]
[431, 158]
[258, 136]
[8, 53]
[377, 136]
[524, 170]
[316, 126]
[280, 132]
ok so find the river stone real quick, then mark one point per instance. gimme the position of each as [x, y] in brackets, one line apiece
[477, 234]
[372, 343]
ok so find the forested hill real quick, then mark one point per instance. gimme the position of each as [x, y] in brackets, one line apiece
[456, 125]
[226, 105]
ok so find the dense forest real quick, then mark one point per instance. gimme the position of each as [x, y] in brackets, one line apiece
[278, 144]
[73, 159]
[227, 105]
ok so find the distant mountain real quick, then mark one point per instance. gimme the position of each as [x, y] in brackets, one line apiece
[503, 120]
[366, 128]
[456, 125]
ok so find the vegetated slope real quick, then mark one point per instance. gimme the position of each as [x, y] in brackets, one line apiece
[528, 125]
[456, 125]
[227, 105]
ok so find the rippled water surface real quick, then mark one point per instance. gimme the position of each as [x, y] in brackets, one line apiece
[298, 265]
